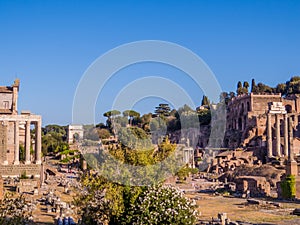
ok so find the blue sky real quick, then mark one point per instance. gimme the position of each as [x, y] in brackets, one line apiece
[49, 45]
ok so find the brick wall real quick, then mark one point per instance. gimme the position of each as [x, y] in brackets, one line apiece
[18, 170]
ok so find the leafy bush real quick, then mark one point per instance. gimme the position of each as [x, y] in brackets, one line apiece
[288, 187]
[163, 205]
[104, 202]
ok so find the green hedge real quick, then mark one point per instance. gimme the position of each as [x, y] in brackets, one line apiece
[288, 187]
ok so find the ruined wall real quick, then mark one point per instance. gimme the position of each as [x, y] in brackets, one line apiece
[18, 170]
[260, 103]
[6, 100]
[247, 118]
[10, 142]
[3, 143]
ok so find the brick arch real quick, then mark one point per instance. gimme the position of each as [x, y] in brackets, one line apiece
[288, 108]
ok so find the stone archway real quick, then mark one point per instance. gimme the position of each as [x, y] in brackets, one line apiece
[288, 108]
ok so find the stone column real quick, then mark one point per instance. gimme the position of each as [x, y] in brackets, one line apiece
[38, 139]
[278, 149]
[291, 145]
[286, 134]
[269, 136]
[291, 167]
[5, 162]
[27, 143]
[17, 144]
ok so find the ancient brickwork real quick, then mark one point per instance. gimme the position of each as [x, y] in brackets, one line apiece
[3, 143]
[247, 121]
[257, 186]
[18, 170]
[27, 185]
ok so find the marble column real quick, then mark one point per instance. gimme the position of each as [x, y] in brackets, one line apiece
[269, 136]
[286, 134]
[27, 143]
[5, 161]
[291, 145]
[278, 149]
[17, 144]
[291, 167]
[38, 139]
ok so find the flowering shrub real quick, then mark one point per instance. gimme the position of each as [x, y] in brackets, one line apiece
[102, 202]
[163, 205]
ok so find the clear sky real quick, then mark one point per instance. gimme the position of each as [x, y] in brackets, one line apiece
[49, 44]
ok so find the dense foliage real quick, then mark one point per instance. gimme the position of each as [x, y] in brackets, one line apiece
[162, 205]
[104, 202]
[288, 187]
[289, 88]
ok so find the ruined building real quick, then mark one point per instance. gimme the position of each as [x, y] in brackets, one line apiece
[259, 122]
[19, 152]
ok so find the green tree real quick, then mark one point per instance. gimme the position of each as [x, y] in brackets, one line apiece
[103, 133]
[253, 86]
[51, 140]
[145, 122]
[163, 110]
[111, 114]
[281, 88]
[134, 138]
[239, 85]
[205, 101]
[246, 85]
[242, 89]
[262, 88]
[204, 116]
[293, 85]
[133, 115]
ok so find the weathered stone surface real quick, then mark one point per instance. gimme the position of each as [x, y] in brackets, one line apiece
[18, 170]
[15, 132]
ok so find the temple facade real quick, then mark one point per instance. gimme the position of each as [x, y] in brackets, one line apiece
[260, 122]
[20, 147]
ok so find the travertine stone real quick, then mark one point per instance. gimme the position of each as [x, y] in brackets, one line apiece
[278, 145]
[286, 135]
[27, 142]
[269, 136]
[17, 144]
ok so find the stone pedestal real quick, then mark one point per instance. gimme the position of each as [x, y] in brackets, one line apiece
[292, 168]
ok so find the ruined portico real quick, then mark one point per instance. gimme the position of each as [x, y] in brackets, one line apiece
[277, 115]
[16, 134]
[13, 123]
